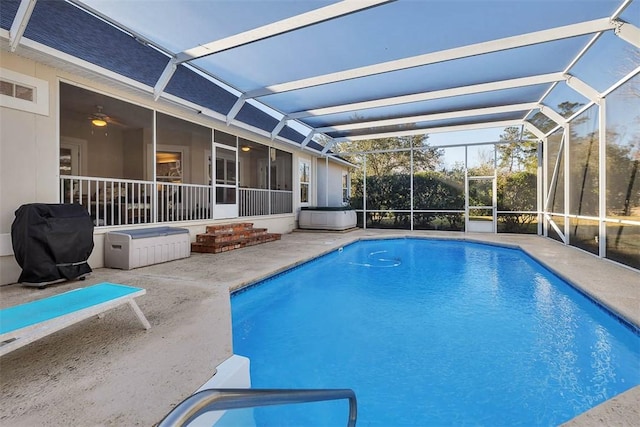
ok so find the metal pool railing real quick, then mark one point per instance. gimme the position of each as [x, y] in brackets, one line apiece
[237, 398]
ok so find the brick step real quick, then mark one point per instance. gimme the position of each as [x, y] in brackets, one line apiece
[219, 236]
[229, 228]
[219, 247]
[226, 237]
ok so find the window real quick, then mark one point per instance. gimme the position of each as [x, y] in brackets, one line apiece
[305, 180]
[16, 90]
[169, 166]
[22, 92]
[346, 190]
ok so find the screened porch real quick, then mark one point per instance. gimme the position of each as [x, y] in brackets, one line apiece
[132, 165]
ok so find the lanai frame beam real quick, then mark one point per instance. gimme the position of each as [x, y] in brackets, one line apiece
[436, 94]
[20, 22]
[423, 131]
[273, 29]
[431, 117]
[558, 33]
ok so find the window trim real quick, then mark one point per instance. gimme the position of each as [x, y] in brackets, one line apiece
[301, 183]
[40, 103]
[346, 189]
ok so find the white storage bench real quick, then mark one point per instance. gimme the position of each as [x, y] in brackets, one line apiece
[127, 249]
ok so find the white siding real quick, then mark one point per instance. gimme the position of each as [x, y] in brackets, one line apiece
[329, 183]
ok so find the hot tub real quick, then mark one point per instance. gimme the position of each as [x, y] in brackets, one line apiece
[327, 218]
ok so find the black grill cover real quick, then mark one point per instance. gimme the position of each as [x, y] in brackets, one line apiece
[52, 242]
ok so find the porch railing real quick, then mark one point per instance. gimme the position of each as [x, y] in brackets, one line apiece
[253, 202]
[183, 202]
[281, 202]
[112, 202]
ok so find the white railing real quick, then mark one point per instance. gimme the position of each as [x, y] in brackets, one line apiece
[183, 202]
[254, 201]
[110, 201]
[281, 202]
[124, 201]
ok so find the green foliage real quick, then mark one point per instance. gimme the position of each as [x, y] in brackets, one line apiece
[517, 155]
[623, 180]
[517, 191]
[384, 163]
[438, 190]
[441, 190]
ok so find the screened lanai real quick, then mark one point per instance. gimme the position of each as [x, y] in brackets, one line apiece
[490, 116]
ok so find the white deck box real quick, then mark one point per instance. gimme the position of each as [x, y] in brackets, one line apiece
[127, 249]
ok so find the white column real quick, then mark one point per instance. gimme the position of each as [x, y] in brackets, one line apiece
[567, 172]
[602, 179]
[411, 184]
[541, 182]
[364, 194]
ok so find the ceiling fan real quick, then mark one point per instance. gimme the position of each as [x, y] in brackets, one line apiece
[100, 119]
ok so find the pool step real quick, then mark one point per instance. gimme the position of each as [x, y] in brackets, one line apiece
[227, 237]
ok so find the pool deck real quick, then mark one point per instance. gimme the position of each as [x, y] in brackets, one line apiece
[111, 372]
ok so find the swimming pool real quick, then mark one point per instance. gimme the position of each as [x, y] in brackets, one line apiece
[432, 332]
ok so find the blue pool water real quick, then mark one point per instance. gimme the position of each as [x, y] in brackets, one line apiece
[432, 332]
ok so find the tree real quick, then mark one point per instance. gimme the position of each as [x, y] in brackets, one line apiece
[545, 124]
[379, 164]
[517, 182]
[517, 155]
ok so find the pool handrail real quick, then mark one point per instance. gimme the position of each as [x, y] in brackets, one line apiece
[236, 398]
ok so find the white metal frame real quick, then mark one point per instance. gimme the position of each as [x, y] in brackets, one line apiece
[326, 13]
[624, 30]
[497, 45]
[430, 95]
[550, 177]
[480, 226]
[226, 210]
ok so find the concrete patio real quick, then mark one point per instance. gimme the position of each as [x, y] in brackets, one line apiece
[111, 372]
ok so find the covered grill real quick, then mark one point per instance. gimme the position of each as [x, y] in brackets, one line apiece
[52, 242]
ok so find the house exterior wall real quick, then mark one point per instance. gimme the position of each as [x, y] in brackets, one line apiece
[28, 143]
[29, 156]
[330, 183]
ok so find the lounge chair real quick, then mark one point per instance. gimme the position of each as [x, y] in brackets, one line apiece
[26, 323]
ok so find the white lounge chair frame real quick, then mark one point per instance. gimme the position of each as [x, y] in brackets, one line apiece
[17, 338]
